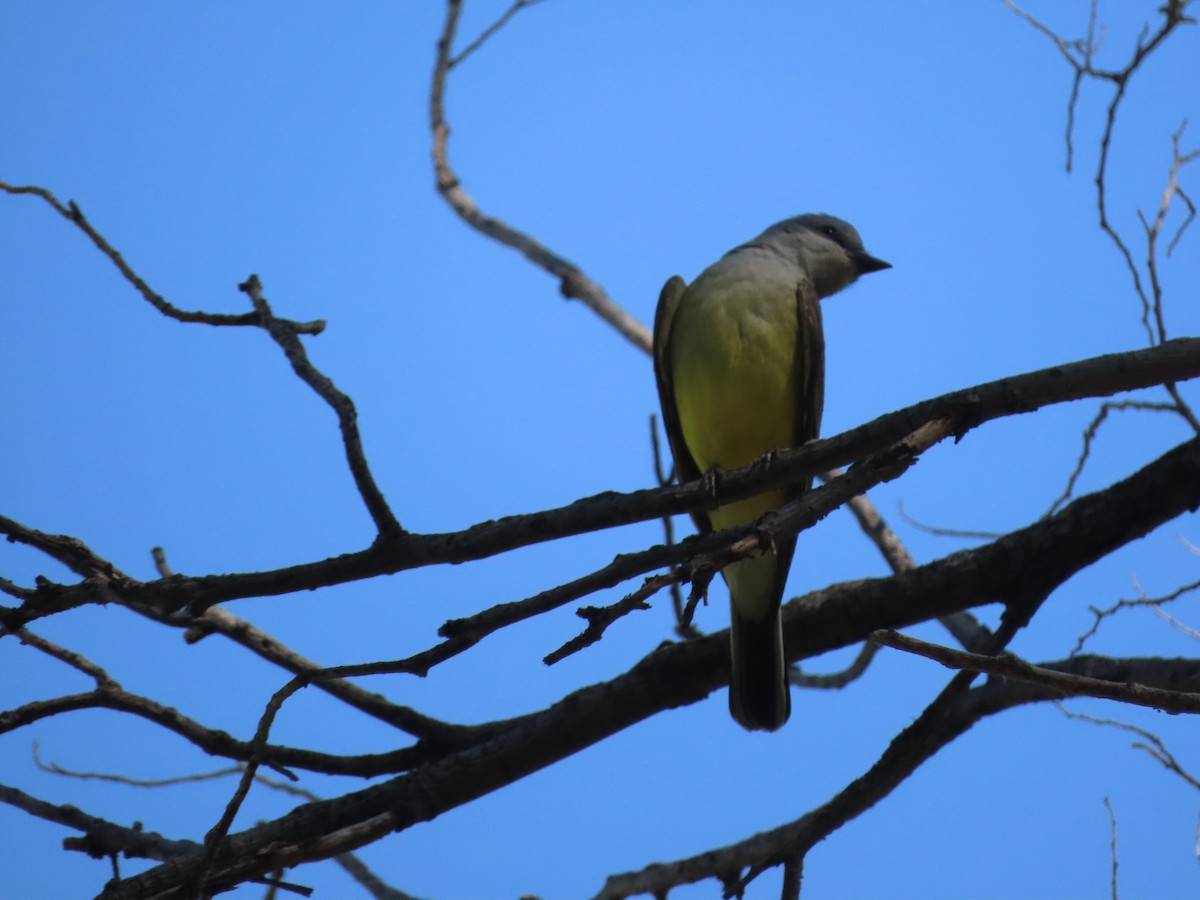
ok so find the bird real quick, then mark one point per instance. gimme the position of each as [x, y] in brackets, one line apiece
[739, 361]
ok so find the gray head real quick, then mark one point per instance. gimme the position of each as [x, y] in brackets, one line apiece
[828, 249]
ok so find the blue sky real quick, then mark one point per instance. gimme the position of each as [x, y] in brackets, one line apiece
[209, 141]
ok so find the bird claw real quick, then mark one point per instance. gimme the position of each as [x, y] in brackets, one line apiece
[766, 541]
[712, 480]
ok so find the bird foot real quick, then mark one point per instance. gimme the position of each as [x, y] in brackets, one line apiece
[712, 480]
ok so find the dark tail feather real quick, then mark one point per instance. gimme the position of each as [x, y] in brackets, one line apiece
[759, 698]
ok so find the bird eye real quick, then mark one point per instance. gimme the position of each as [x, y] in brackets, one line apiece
[829, 231]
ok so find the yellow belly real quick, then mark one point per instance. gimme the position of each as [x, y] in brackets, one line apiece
[735, 387]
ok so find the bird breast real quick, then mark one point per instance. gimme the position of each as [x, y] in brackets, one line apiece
[733, 368]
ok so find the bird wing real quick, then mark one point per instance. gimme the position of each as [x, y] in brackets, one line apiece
[664, 317]
[810, 400]
[810, 368]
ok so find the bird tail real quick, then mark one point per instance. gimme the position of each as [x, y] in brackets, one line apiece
[759, 698]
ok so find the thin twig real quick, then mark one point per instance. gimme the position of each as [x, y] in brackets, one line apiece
[839, 679]
[352, 864]
[684, 627]
[951, 714]
[284, 331]
[72, 213]
[1112, 818]
[244, 633]
[1151, 743]
[110, 695]
[598, 618]
[967, 630]
[1142, 600]
[1175, 623]
[941, 721]
[942, 531]
[1177, 360]
[793, 874]
[70, 657]
[216, 834]
[1080, 55]
[286, 336]
[101, 838]
[55, 769]
[573, 281]
[1089, 435]
[517, 6]
[70, 551]
[1067, 685]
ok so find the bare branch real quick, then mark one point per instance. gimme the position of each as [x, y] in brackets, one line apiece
[1067, 685]
[110, 695]
[705, 555]
[160, 562]
[598, 618]
[101, 838]
[1112, 818]
[458, 764]
[573, 282]
[213, 741]
[1175, 623]
[1142, 600]
[285, 331]
[1154, 229]
[677, 674]
[72, 213]
[286, 336]
[70, 657]
[25, 595]
[684, 627]
[954, 711]
[70, 551]
[1152, 234]
[793, 873]
[221, 621]
[1150, 742]
[356, 868]
[55, 769]
[1089, 435]
[1080, 55]
[836, 680]
[350, 862]
[216, 834]
[1178, 161]
[1177, 360]
[942, 531]
[967, 630]
[517, 6]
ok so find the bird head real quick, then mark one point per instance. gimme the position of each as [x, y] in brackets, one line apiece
[827, 248]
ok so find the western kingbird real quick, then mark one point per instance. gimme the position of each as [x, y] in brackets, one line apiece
[739, 357]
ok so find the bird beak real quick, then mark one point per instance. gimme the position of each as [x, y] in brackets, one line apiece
[868, 263]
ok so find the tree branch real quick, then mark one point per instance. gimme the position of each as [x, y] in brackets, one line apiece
[73, 214]
[675, 675]
[286, 336]
[1174, 700]
[573, 281]
[907, 752]
[1176, 360]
